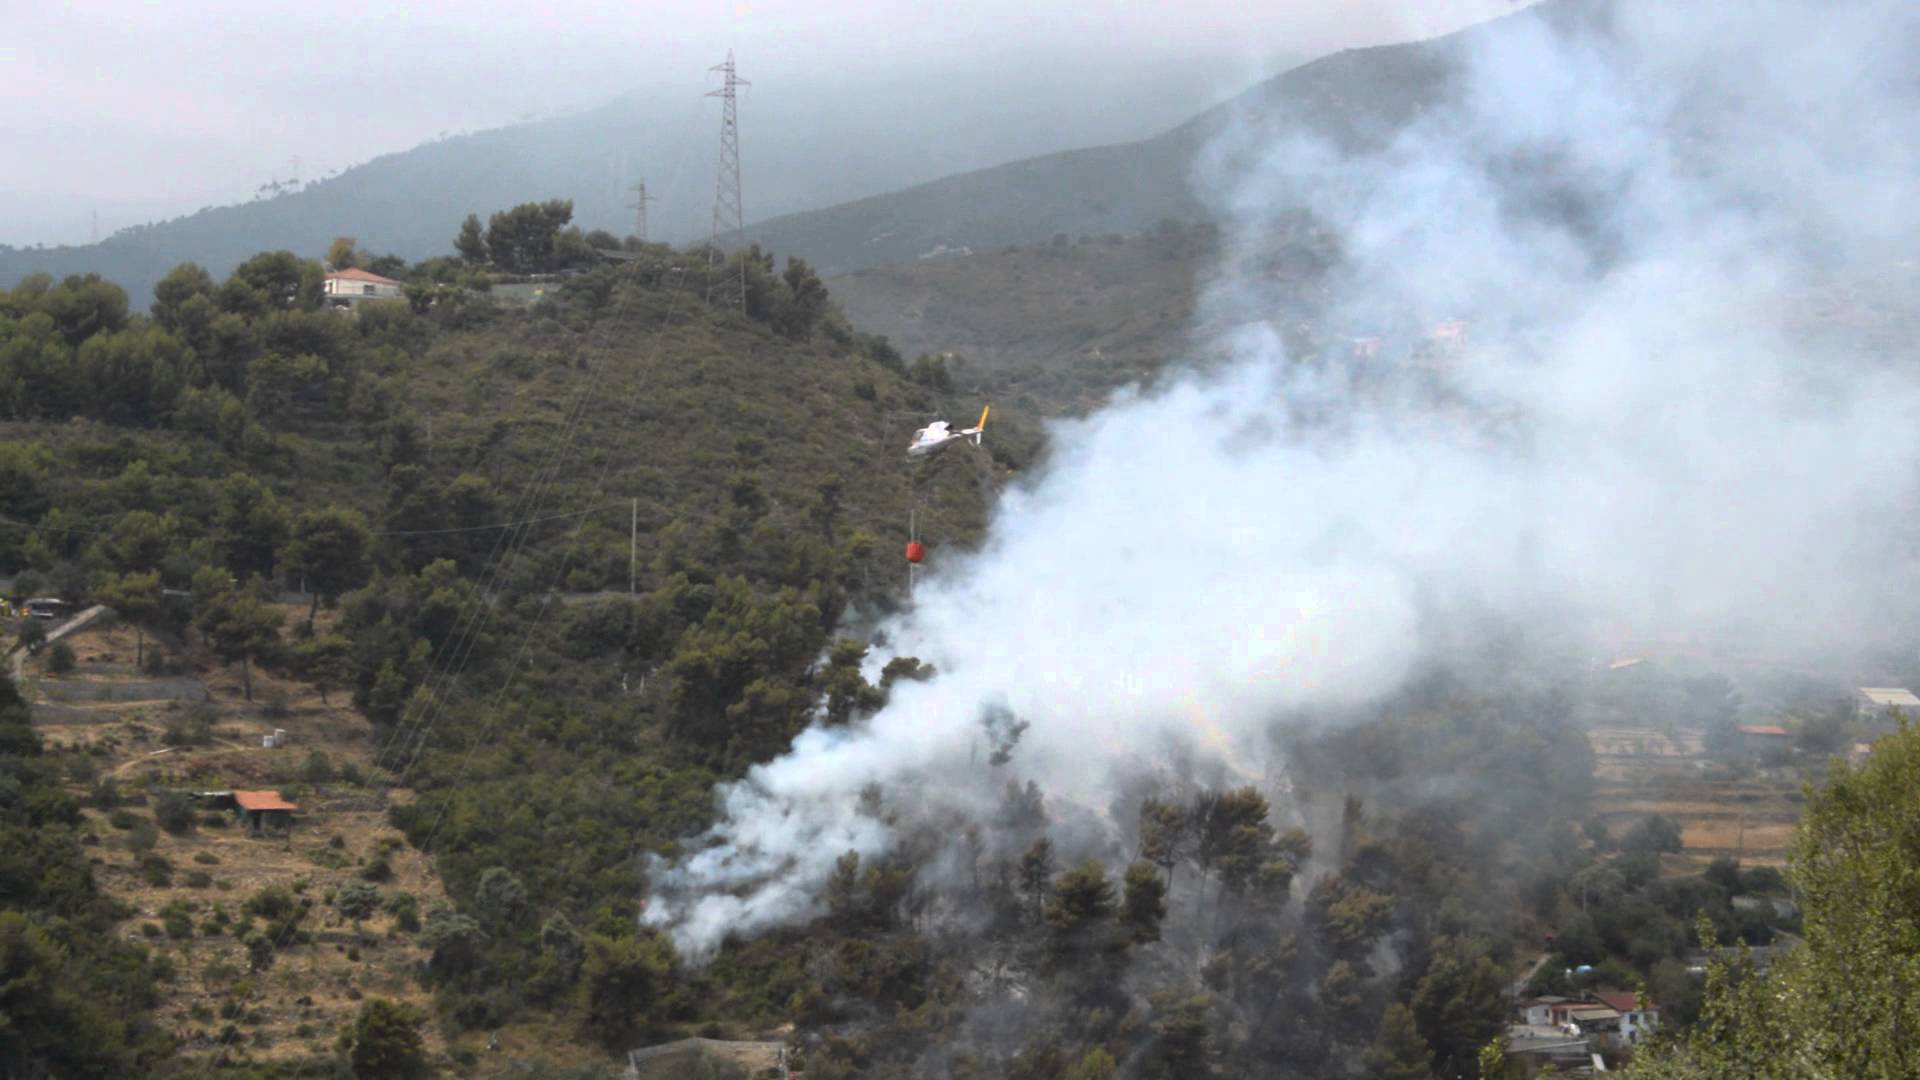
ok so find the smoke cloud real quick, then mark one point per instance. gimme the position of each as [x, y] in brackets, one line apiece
[1660, 225]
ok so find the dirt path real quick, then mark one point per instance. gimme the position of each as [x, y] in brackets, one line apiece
[1520, 984]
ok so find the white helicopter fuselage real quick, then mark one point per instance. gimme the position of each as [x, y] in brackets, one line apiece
[940, 433]
[931, 438]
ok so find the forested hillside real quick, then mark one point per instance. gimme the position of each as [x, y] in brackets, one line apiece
[462, 478]
[579, 555]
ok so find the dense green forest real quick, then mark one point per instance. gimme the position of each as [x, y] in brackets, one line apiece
[456, 477]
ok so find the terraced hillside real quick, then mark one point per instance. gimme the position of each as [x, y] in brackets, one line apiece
[196, 891]
[1745, 813]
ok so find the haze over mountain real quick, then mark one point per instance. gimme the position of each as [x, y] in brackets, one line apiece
[829, 117]
[1356, 99]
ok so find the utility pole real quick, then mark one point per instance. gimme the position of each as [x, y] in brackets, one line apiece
[727, 218]
[639, 208]
[633, 550]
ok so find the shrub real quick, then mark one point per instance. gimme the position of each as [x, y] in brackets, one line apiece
[122, 819]
[106, 795]
[259, 951]
[156, 870]
[60, 659]
[178, 920]
[142, 836]
[195, 728]
[199, 879]
[206, 858]
[377, 870]
[271, 903]
[406, 911]
[174, 812]
[318, 769]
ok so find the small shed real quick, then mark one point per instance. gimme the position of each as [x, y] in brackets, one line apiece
[261, 810]
[1761, 738]
[265, 809]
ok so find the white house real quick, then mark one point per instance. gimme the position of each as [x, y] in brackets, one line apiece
[1877, 702]
[1538, 1011]
[346, 288]
[1638, 1017]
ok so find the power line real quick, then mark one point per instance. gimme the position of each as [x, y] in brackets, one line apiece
[728, 219]
[527, 630]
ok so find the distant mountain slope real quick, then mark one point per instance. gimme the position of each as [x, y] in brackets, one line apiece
[1044, 329]
[796, 155]
[1353, 98]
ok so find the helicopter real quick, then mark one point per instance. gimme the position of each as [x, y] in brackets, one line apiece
[937, 435]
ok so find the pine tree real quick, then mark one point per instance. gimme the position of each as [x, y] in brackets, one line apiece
[1399, 1053]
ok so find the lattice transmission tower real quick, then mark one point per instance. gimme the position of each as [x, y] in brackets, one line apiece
[728, 221]
[639, 208]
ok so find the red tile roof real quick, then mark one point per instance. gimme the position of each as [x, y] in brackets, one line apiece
[1622, 1000]
[1762, 729]
[362, 275]
[262, 800]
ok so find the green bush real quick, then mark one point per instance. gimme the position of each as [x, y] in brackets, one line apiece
[271, 903]
[60, 659]
[405, 909]
[318, 768]
[193, 729]
[173, 812]
[178, 920]
[106, 795]
[156, 870]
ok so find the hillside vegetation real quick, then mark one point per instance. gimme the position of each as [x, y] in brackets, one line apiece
[575, 557]
[269, 943]
[456, 480]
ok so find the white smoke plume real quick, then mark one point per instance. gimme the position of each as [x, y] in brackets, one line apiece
[1633, 207]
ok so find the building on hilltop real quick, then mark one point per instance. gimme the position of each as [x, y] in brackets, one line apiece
[1878, 702]
[345, 288]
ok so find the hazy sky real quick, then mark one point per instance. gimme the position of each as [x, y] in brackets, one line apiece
[138, 110]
